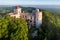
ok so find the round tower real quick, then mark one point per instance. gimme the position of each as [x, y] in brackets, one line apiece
[38, 18]
[17, 10]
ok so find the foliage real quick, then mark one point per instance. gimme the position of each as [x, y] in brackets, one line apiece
[50, 26]
[16, 29]
[13, 29]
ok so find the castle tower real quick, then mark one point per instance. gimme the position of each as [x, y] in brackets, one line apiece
[17, 10]
[38, 18]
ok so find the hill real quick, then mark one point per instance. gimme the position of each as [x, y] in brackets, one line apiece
[50, 27]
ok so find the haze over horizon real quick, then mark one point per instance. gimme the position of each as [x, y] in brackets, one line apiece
[29, 2]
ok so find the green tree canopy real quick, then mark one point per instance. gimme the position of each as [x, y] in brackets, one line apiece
[13, 29]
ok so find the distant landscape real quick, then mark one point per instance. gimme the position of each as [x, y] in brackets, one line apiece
[55, 8]
[17, 29]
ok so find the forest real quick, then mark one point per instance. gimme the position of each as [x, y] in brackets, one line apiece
[17, 29]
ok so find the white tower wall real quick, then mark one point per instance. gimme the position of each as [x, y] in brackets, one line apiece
[17, 12]
[38, 18]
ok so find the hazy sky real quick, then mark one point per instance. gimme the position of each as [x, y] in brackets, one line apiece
[29, 2]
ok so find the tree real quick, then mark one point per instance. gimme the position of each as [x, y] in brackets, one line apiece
[50, 27]
[13, 29]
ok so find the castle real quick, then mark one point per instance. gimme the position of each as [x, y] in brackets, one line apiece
[33, 19]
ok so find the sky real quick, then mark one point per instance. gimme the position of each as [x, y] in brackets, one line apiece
[29, 2]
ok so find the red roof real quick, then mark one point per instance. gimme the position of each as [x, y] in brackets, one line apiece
[18, 7]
